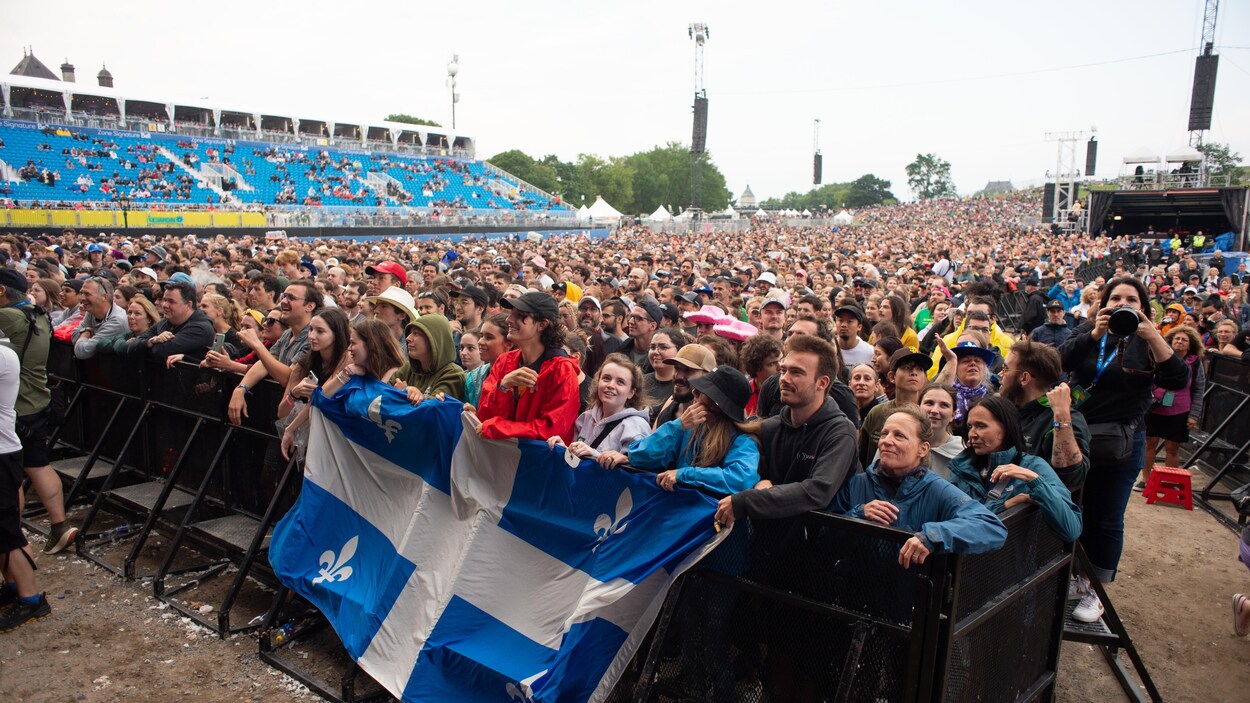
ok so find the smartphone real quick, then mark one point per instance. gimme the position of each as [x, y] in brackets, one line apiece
[219, 340]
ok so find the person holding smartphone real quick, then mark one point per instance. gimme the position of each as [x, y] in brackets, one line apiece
[328, 336]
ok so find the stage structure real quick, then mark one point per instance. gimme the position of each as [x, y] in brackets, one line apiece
[1202, 100]
[1059, 206]
[700, 33]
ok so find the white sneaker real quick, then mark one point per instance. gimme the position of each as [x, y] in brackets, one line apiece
[1089, 609]
[1078, 587]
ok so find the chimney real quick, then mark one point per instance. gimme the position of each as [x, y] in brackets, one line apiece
[105, 78]
[67, 71]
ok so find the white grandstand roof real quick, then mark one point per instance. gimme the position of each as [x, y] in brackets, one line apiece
[55, 86]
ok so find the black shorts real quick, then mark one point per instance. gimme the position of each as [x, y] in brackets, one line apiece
[11, 477]
[33, 431]
[1172, 428]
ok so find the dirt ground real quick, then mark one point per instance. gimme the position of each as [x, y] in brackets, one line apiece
[111, 641]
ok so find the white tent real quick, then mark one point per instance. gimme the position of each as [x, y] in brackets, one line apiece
[1142, 156]
[761, 213]
[1185, 154]
[601, 210]
[843, 218]
[583, 213]
[685, 216]
[729, 211]
[807, 213]
[661, 214]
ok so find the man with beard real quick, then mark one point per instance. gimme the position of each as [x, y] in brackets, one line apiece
[692, 361]
[300, 301]
[636, 284]
[1052, 429]
[349, 301]
[590, 316]
[612, 321]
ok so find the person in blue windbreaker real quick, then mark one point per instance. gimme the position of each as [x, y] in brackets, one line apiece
[707, 446]
[898, 490]
[995, 471]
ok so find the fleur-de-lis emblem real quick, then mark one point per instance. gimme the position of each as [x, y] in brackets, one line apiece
[605, 526]
[335, 569]
[389, 427]
[523, 690]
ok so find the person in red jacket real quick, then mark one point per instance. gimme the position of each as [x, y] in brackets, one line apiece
[531, 392]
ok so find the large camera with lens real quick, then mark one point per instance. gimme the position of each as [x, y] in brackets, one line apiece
[1123, 321]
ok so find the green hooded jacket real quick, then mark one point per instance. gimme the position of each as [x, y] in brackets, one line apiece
[446, 376]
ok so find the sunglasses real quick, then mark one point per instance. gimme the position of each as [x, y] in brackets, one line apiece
[271, 321]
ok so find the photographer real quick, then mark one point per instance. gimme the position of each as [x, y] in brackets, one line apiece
[1118, 364]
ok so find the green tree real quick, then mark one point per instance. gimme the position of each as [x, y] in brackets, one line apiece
[523, 166]
[929, 177]
[867, 190]
[1223, 161]
[409, 119]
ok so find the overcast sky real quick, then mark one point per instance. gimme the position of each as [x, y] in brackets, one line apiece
[978, 83]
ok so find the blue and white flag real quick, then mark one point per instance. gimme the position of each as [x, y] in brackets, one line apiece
[455, 568]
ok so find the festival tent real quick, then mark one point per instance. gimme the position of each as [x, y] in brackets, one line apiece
[601, 210]
[729, 211]
[1185, 154]
[807, 213]
[760, 213]
[843, 218]
[1142, 156]
[661, 214]
[583, 213]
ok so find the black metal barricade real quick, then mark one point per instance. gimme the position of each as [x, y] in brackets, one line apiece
[1223, 438]
[840, 620]
[155, 452]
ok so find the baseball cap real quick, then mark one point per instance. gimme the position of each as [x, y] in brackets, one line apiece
[75, 283]
[588, 300]
[777, 297]
[1054, 305]
[477, 295]
[534, 303]
[768, 277]
[694, 356]
[907, 356]
[146, 271]
[852, 310]
[390, 267]
[653, 311]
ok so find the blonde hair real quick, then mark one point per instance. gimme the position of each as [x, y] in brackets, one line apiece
[229, 309]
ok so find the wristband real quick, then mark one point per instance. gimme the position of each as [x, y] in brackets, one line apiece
[244, 387]
[1061, 425]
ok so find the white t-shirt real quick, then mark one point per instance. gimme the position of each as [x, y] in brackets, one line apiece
[861, 354]
[10, 375]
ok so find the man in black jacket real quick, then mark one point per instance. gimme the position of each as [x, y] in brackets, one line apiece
[806, 453]
[1034, 313]
[185, 330]
[1056, 331]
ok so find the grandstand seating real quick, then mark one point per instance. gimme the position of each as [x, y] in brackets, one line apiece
[91, 165]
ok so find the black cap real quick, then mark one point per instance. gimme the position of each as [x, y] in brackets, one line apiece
[907, 356]
[670, 312]
[690, 297]
[74, 283]
[855, 310]
[655, 312]
[1030, 281]
[1054, 305]
[10, 278]
[728, 389]
[534, 303]
[474, 293]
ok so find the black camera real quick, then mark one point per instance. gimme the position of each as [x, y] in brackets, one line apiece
[1123, 321]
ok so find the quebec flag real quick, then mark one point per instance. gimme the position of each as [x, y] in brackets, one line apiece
[455, 568]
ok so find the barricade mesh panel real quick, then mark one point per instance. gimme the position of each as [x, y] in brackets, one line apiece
[730, 642]
[1007, 654]
[1030, 546]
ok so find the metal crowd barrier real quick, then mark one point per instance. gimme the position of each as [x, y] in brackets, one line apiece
[149, 448]
[847, 623]
[1223, 438]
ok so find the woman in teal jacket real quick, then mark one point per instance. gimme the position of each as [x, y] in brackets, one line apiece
[996, 472]
[706, 448]
[899, 491]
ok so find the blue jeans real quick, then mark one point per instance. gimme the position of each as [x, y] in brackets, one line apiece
[1107, 491]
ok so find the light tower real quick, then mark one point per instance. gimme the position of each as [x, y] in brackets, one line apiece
[453, 68]
[698, 144]
[1067, 173]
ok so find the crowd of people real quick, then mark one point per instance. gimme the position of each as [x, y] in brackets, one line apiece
[863, 370]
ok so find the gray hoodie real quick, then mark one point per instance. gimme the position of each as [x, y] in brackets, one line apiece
[635, 424]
